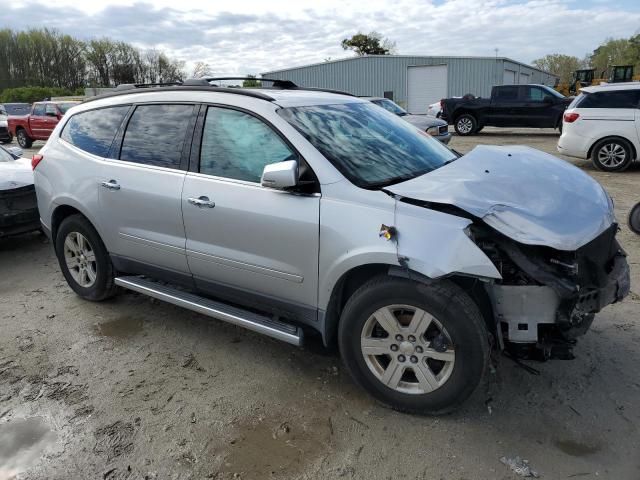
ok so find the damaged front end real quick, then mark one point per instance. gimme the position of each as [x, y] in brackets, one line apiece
[548, 297]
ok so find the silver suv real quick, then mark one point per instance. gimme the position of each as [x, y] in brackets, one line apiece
[287, 210]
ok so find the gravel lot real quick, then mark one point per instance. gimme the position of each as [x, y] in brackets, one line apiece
[135, 388]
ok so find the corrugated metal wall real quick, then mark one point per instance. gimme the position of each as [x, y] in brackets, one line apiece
[373, 75]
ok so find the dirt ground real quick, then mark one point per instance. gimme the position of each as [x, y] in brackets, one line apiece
[133, 388]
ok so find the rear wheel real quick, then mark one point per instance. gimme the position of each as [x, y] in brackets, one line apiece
[23, 139]
[634, 219]
[466, 125]
[415, 347]
[84, 260]
[611, 155]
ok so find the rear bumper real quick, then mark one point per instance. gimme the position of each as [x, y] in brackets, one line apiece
[18, 211]
[573, 145]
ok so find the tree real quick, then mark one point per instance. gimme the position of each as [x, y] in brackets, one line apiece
[559, 64]
[369, 44]
[251, 82]
[201, 69]
[622, 51]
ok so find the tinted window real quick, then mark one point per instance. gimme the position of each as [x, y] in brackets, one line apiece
[370, 146]
[63, 107]
[38, 110]
[155, 135]
[237, 145]
[506, 93]
[94, 131]
[50, 109]
[614, 99]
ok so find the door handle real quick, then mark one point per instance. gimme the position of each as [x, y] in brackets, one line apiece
[111, 185]
[201, 202]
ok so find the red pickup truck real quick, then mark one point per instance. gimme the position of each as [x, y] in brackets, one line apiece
[39, 124]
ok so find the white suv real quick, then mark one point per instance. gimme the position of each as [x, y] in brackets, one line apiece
[603, 123]
[285, 211]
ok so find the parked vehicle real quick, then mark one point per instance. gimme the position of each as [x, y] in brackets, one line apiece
[603, 123]
[39, 123]
[435, 110]
[5, 136]
[18, 206]
[283, 210]
[536, 106]
[16, 108]
[434, 127]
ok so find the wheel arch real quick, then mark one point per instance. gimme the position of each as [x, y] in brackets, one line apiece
[63, 211]
[354, 278]
[634, 152]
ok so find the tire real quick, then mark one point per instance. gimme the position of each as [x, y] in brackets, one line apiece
[612, 155]
[8, 140]
[23, 139]
[634, 219]
[452, 319]
[75, 241]
[466, 124]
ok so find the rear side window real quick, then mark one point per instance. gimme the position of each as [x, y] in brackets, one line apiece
[613, 99]
[155, 135]
[237, 145]
[506, 93]
[94, 131]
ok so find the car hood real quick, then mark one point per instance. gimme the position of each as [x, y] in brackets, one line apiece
[530, 196]
[15, 174]
[423, 121]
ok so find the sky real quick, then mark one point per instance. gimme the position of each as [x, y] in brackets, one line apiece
[254, 36]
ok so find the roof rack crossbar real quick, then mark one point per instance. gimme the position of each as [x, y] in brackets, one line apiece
[277, 83]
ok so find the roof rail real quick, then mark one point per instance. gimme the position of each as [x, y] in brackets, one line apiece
[277, 83]
[129, 86]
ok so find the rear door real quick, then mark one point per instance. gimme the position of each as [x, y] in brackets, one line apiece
[141, 187]
[247, 242]
[504, 101]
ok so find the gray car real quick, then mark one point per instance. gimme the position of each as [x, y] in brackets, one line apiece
[439, 129]
[289, 211]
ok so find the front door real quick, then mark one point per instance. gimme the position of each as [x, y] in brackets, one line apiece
[254, 244]
[38, 121]
[140, 190]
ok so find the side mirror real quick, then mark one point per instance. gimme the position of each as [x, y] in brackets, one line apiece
[280, 175]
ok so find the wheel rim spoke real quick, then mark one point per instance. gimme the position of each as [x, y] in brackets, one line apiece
[388, 321]
[420, 322]
[80, 259]
[446, 356]
[425, 376]
[375, 346]
[393, 374]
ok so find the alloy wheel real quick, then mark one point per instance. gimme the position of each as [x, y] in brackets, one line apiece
[407, 349]
[612, 155]
[80, 259]
[465, 125]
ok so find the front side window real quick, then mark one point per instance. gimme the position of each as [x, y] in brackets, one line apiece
[94, 131]
[50, 110]
[38, 110]
[368, 145]
[155, 135]
[238, 145]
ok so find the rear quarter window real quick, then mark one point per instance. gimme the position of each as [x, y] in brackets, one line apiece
[94, 131]
[613, 99]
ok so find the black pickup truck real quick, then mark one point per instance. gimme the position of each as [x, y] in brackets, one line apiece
[535, 106]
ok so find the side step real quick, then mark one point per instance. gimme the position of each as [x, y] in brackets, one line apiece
[227, 313]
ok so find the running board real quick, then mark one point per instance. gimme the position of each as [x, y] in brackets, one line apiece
[227, 313]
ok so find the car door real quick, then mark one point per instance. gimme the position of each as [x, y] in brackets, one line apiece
[37, 121]
[50, 120]
[503, 103]
[246, 242]
[141, 187]
[537, 108]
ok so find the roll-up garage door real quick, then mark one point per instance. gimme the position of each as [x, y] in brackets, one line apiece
[425, 85]
[524, 78]
[509, 77]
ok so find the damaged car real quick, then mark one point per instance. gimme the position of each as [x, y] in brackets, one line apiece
[18, 205]
[296, 212]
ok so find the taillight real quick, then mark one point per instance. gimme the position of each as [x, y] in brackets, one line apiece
[35, 160]
[571, 117]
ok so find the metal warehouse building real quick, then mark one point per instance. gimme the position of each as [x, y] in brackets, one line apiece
[414, 82]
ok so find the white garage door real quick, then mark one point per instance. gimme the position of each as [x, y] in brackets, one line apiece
[524, 79]
[425, 85]
[509, 77]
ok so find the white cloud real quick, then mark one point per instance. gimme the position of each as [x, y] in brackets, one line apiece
[254, 36]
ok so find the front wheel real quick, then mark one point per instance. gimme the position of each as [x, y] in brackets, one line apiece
[420, 348]
[466, 125]
[84, 260]
[23, 139]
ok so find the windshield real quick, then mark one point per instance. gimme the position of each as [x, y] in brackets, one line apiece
[390, 106]
[370, 146]
[17, 108]
[66, 106]
[552, 91]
